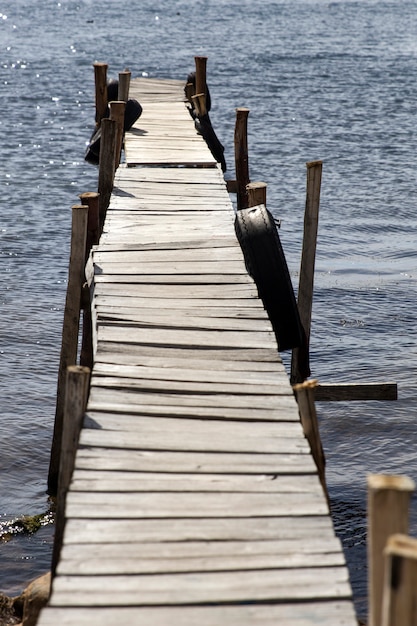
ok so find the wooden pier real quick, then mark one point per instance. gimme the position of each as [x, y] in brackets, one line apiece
[195, 498]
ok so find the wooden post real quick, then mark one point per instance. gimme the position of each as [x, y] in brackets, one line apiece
[117, 113]
[76, 395]
[124, 85]
[305, 395]
[399, 604]
[76, 278]
[308, 258]
[91, 199]
[388, 505]
[106, 166]
[100, 77]
[201, 83]
[241, 156]
[256, 193]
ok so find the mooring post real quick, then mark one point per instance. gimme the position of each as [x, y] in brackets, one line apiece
[76, 395]
[241, 156]
[100, 79]
[124, 85]
[76, 278]
[308, 259]
[399, 603]
[305, 395]
[90, 199]
[388, 514]
[106, 166]
[201, 84]
[256, 193]
[117, 113]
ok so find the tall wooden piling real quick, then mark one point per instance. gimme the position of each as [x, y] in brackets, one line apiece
[241, 156]
[117, 113]
[305, 395]
[100, 79]
[201, 84]
[107, 165]
[90, 199]
[76, 278]
[308, 258]
[76, 396]
[388, 507]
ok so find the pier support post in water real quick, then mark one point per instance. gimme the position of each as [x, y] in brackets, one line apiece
[241, 156]
[256, 193]
[100, 79]
[76, 395]
[308, 259]
[388, 514]
[76, 279]
[399, 604]
[201, 84]
[305, 395]
[106, 165]
[117, 113]
[124, 86]
[90, 199]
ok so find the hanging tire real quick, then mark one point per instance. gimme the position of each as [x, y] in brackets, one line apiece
[265, 261]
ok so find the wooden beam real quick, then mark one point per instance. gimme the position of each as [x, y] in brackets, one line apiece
[399, 604]
[338, 392]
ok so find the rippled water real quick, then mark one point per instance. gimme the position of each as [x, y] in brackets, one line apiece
[323, 80]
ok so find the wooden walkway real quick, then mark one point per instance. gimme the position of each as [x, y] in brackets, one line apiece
[194, 499]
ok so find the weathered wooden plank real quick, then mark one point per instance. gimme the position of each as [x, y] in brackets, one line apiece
[150, 436]
[136, 460]
[107, 481]
[190, 318]
[170, 557]
[137, 277]
[150, 386]
[257, 379]
[325, 613]
[218, 268]
[100, 531]
[138, 505]
[194, 338]
[234, 408]
[210, 293]
[207, 587]
[249, 308]
[355, 391]
[224, 254]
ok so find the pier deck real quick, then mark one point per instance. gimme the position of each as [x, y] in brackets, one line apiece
[195, 499]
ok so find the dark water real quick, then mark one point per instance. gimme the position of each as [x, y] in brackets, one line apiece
[323, 80]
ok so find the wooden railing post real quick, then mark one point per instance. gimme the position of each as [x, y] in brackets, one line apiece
[124, 85]
[76, 278]
[201, 84]
[305, 395]
[256, 193]
[90, 199]
[388, 506]
[308, 259]
[76, 395]
[399, 604]
[100, 79]
[106, 166]
[241, 156]
[117, 113]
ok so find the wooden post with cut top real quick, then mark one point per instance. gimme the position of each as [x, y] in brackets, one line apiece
[256, 193]
[76, 395]
[107, 166]
[388, 507]
[308, 259]
[399, 603]
[117, 113]
[100, 79]
[68, 356]
[241, 156]
[124, 85]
